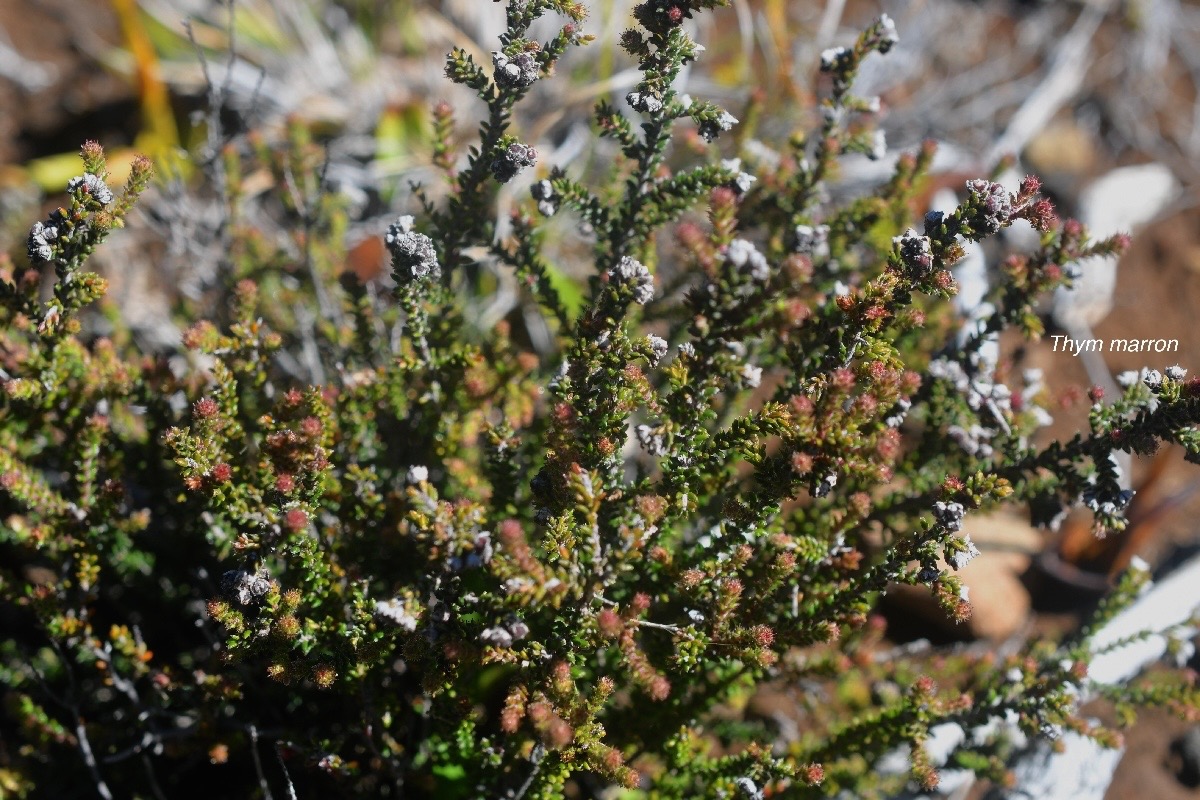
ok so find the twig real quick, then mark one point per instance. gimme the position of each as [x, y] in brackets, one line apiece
[152, 777]
[89, 758]
[258, 767]
[286, 775]
[1068, 68]
[538, 756]
[830, 20]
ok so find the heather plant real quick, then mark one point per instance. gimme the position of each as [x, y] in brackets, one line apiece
[355, 544]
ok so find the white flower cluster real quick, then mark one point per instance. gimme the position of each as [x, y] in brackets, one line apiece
[658, 348]
[547, 200]
[630, 271]
[92, 185]
[651, 440]
[981, 392]
[745, 256]
[645, 102]
[40, 244]
[949, 515]
[511, 160]
[243, 586]
[517, 72]
[503, 636]
[916, 251]
[480, 554]
[413, 255]
[742, 181]
[963, 554]
[810, 238]
[710, 129]
[397, 612]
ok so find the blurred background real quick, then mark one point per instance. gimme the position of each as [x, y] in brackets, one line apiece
[1098, 98]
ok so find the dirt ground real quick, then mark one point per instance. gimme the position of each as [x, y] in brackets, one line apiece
[66, 93]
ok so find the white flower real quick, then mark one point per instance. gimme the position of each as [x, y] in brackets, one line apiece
[961, 558]
[888, 37]
[811, 237]
[831, 56]
[745, 256]
[394, 610]
[93, 185]
[878, 146]
[658, 348]
[644, 102]
[631, 271]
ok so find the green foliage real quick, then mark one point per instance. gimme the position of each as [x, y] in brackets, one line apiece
[452, 565]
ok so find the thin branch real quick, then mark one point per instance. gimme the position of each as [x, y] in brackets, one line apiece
[89, 758]
[286, 775]
[258, 767]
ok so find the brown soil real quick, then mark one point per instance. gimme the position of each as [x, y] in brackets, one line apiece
[65, 37]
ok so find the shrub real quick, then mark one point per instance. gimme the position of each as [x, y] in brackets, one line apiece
[452, 565]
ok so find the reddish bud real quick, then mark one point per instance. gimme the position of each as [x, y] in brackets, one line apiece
[205, 408]
[802, 463]
[284, 483]
[610, 623]
[295, 520]
[1042, 216]
[288, 626]
[842, 379]
[867, 404]
[510, 532]
[563, 413]
[875, 312]
[762, 635]
[722, 196]
[324, 675]
[558, 733]
[888, 444]
[222, 472]
[560, 678]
